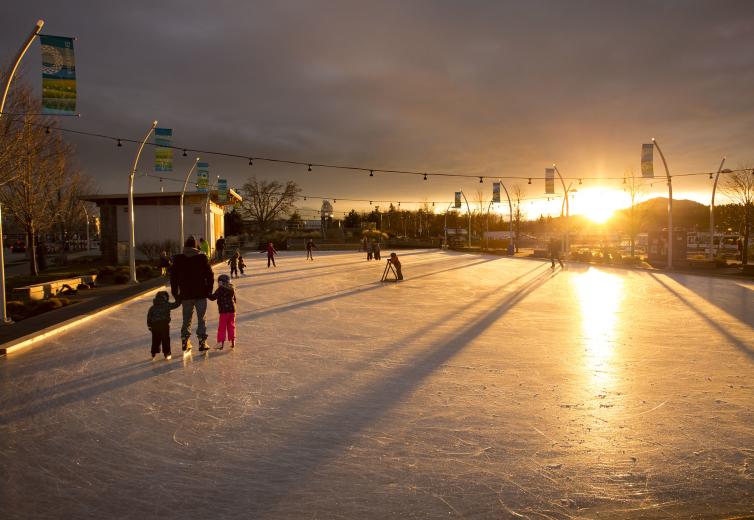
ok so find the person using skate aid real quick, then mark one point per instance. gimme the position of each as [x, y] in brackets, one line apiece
[392, 267]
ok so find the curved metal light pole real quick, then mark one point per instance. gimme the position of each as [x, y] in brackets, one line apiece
[446, 224]
[712, 213]
[510, 214]
[183, 192]
[468, 209]
[669, 264]
[131, 237]
[6, 88]
[86, 214]
[567, 241]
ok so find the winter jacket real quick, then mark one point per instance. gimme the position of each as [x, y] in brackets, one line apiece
[159, 312]
[226, 298]
[233, 262]
[191, 276]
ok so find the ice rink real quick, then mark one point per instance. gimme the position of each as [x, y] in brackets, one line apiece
[479, 387]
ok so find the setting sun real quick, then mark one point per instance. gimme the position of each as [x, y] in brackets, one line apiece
[598, 205]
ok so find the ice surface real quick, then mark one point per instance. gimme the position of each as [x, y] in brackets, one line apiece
[479, 387]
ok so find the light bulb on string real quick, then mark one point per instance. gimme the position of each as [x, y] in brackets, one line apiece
[310, 167]
[119, 143]
[47, 129]
[184, 153]
[425, 176]
[710, 175]
[529, 180]
[579, 181]
[371, 173]
[480, 180]
[251, 161]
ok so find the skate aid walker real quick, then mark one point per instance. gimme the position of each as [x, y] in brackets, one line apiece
[389, 269]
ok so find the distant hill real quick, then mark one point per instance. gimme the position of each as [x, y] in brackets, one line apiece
[687, 214]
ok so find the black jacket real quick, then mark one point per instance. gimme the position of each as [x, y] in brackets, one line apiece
[226, 299]
[191, 276]
[159, 312]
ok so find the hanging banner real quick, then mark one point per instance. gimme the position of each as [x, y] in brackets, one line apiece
[495, 192]
[58, 75]
[163, 154]
[647, 165]
[202, 177]
[458, 200]
[222, 191]
[549, 181]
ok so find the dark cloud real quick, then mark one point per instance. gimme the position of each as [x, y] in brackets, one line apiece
[481, 87]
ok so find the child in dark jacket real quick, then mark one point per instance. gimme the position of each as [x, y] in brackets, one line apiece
[233, 263]
[241, 263]
[226, 304]
[158, 321]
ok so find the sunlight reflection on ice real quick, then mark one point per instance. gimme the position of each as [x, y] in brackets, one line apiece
[600, 295]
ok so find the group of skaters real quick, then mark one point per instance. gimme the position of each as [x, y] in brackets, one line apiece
[371, 247]
[192, 284]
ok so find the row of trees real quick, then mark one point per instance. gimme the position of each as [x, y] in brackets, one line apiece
[40, 185]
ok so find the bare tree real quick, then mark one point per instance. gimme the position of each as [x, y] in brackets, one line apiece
[634, 217]
[265, 201]
[739, 188]
[39, 172]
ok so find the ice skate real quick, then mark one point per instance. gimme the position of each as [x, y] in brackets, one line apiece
[220, 346]
[185, 345]
[203, 345]
[168, 357]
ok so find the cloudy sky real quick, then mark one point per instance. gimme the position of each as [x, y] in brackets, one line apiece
[485, 88]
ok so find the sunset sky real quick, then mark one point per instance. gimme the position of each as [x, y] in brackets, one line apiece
[484, 88]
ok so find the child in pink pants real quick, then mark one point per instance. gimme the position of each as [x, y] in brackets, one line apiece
[226, 304]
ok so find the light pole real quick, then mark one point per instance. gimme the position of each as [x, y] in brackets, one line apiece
[669, 264]
[86, 214]
[712, 213]
[446, 224]
[131, 238]
[566, 242]
[468, 209]
[24, 47]
[183, 192]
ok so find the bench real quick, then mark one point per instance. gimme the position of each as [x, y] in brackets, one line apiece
[44, 290]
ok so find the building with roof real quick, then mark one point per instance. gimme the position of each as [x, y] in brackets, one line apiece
[157, 220]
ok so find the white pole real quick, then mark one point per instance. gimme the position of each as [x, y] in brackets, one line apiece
[86, 214]
[669, 264]
[468, 208]
[19, 56]
[131, 238]
[183, 192]
[510, 214]
[567, 241]
[446, 224]
[712, 214]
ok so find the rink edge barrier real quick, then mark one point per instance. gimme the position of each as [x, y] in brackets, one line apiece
[37, 337]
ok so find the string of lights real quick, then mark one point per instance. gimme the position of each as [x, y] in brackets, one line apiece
[371, 170]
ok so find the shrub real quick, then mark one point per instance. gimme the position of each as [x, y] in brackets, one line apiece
[16, 310]
[122, 278]
[106, 271]
[631, 260]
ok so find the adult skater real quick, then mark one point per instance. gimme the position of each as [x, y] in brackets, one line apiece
[555, 252]
[376, 250]
[271, 252]
[369, 249]
[309, 246]
[191, 281]
[220, 248]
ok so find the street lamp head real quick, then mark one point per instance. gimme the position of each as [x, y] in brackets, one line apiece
[653, 139]
[726, 170]
[154, 123]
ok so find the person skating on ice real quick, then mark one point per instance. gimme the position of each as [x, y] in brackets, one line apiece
[376, 250]
[369, 249]
[191, 281]
[271, 252]
[233, 263]
[158, 322]
[309, 246]
[555, 248]
[241, 263]
[397, 265]
[226, 306]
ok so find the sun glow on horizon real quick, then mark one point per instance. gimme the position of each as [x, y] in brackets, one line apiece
[599, 204]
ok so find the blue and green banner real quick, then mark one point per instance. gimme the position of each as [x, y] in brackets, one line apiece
[202, 177]
[58, 75]
[163, 153]
[495, 192]
[549, 181]
[222, 191]
[647, 166]
[457, 203]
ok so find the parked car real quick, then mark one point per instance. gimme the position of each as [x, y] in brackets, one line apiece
[18, 247]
